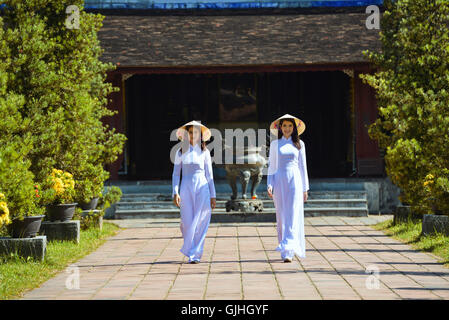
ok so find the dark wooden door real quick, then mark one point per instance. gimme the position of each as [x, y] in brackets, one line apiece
[322, 100]
[157, 104]
[369, 160]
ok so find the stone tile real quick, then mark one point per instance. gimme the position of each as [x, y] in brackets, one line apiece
[240, 262]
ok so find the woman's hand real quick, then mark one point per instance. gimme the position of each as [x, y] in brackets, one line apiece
[270, 192]
[305, 196]
[177, 200]
[213, 203]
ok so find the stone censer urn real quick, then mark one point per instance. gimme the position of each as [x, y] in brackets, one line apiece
[247, 168]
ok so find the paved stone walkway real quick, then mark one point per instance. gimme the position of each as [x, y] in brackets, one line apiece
[143, 262]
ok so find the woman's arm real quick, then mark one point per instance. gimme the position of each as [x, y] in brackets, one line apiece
[176, 174]
[272, 163]
[209, 173]
[302, 163]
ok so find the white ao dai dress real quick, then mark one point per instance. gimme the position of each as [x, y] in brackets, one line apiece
[197, 188]
[287, 176]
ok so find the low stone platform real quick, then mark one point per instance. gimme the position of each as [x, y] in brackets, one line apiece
[25, 247]
[244, 217]
[432, 224]
[96, 220]
[65, 230]
[244, 205]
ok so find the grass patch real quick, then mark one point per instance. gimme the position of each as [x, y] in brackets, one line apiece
[17, 275]
[410, 233]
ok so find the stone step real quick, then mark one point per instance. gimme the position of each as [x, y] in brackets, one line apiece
[345, 194]
[222, 185]
[175, 213]
[350, 203]
[316, 203]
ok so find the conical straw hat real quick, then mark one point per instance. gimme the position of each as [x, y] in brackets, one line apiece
[204, 130]
[299, 124]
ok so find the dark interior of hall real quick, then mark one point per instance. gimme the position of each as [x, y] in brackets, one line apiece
[158, 103]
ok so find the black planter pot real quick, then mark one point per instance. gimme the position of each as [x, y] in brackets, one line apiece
[89, 205]
[26, 228]
[61, 212]
[404, 213]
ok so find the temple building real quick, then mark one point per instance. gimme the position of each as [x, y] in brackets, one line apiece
[241, 64]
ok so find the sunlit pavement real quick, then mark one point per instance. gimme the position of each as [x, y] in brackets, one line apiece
[345, 259]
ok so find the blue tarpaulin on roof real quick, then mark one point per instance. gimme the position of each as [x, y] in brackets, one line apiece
[223, 4]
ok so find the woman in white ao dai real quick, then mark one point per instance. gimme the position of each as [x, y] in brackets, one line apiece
[195, 195]
[287, 184]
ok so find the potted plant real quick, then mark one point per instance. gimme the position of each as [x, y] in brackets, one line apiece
[436, 202]
[59, 190]
[23, 224]
[111, 196]
[435, 197]
[94, 217]
[21, 215]
[90, 218]
[90, 179]
[88, 194]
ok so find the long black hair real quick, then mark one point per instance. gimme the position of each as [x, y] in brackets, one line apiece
[295, 137]
[203, 143]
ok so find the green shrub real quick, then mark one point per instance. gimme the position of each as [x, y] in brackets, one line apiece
[60, 81]
[16, 178]
[16, 182]
[90, 183]
[88, 219]
[412, 86]
[109, 197]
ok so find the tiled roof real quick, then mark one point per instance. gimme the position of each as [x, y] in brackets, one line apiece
[236, 39]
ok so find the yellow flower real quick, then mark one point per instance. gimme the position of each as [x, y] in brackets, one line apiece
[58, 186]
[4, 219]
[2, 196]
[4, 208]
[4, 214]
[56, 173]
[62, 182]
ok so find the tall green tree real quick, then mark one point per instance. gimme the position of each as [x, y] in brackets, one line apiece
[57, 70]
[16, 179]
[412, 85]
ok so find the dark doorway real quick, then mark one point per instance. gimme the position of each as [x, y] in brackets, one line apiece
[158, 103]
[323, 101]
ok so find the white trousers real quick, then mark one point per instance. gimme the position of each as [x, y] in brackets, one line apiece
[195, 215]
[289, 204]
